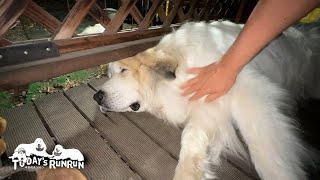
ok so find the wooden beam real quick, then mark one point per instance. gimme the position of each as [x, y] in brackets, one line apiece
[45, 69]
[181, 15]
[191, 10]
[5, 42]
[203, 10]
[172, 13]
[161, 13]
[97, 14]
[137, 16]
[42, 17]
[211, 6]
[121, 15]
[150, 15]
[82, 43]
[239, 15]
[10, 10]
[73, 19]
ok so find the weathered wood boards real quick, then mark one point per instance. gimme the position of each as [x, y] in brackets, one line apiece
[72, 130]
[39, 70]
[73, 19]
[10, 10]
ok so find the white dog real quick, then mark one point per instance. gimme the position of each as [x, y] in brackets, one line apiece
[255, 105]
[38, 148]
[60, 153]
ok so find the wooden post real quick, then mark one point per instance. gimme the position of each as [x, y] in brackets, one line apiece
[136, 14]
[5, 42]
[240, 11]
[121, 15]
[10, 10]
[150, 15]
[41, 16]
[73, 19]
[191, 10]
[97, 14]
[172, 13]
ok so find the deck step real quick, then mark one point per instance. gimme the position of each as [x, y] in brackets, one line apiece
[72, 130]
[24, 126]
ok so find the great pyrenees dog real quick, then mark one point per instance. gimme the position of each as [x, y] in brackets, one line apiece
[258, 105]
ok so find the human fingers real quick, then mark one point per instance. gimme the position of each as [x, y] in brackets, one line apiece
[199, 94]
[190, 90]
[195, 70]
[211, 97]
[189, 83]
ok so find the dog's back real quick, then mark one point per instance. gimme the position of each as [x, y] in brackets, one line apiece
[261, 91]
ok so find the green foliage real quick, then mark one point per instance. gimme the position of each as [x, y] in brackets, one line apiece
[5, 101]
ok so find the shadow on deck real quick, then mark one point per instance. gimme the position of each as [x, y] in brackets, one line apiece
[116, 145]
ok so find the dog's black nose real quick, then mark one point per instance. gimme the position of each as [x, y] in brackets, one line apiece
[98, 96]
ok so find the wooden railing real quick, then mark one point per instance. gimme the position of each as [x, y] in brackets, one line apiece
[113, 45]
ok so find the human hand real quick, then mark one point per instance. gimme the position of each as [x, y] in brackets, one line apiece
[213, 80]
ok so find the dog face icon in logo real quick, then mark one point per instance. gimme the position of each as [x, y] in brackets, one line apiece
[21, 155]
[60, 153]
[38, 148]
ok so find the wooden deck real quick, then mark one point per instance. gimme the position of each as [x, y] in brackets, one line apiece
[116, 145]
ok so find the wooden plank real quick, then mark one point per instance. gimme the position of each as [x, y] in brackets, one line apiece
[137, 16]
[95, 84]
[121, 15]
[164, 134]
[10, 10]
[150, 15]
[169, 138]
[81, 43]
[72, 130]
[181, 16]
[97, 14]
[15, 75]
[203, 10]
[161, 12]
[42, 17]
[5, 42]
[191, 10]
[73, 19]
[239, 15]
[146, 157]
[24, 126]
[173, 12]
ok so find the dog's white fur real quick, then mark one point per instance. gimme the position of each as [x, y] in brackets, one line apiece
[255, 104]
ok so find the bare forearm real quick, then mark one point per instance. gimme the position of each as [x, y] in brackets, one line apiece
[267, 21]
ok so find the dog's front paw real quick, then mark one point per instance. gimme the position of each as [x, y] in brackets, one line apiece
[188, 171]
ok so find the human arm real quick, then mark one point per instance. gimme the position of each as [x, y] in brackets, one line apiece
[268, 19]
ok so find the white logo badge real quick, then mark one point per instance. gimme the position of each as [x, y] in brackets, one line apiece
[35, 155]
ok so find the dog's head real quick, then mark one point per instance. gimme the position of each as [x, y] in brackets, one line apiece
[134, 81]
[40, 145]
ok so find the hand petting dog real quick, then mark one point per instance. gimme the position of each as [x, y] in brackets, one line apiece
[213, 80]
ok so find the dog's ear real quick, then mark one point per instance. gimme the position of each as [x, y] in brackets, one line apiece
[166, 70]
[160, 63]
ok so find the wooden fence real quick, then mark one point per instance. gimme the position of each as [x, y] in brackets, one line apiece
[64, 52]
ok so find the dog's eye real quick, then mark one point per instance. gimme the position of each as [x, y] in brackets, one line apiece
[123, 70]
